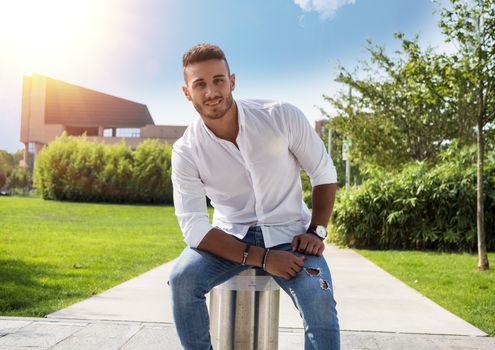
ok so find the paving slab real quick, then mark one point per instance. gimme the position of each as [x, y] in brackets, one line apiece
[368, 299]
[393, 341]
[48, 334]
[8, 326]
[38, 334]
[101, 336]
[371, 299]
[154, 337]
[145, 298]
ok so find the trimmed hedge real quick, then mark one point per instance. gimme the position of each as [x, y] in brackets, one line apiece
[78, 170]
[420, 207]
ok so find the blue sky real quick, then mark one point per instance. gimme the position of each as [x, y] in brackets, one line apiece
[278, 49]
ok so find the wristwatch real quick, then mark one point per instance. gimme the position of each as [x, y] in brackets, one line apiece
[319, 230]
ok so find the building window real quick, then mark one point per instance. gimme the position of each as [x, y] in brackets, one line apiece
[107, 132]
[128, 132]
[31, 147]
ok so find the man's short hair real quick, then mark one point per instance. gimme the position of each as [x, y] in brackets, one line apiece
[203, 52]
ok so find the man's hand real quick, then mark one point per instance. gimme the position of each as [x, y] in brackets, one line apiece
[284, 264]
[309, 244]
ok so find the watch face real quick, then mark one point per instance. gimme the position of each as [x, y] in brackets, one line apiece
[321, 231]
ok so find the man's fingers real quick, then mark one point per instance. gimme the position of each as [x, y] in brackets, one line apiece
[296, 268]
[295, 243]
[321, 249]
[315, 250]
[300, 263]
[309, 248]
[302, 246]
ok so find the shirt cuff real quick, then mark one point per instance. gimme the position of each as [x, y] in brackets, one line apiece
[327, 176]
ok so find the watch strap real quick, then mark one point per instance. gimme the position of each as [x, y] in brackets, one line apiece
[312, 229]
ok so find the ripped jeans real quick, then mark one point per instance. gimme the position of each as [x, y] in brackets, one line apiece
[196, 272]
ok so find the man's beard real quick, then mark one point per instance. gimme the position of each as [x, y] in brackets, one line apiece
[229, 100]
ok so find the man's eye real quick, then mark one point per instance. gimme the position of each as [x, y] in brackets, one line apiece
[200, 85]
[219, 81]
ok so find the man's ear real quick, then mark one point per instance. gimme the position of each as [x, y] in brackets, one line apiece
[232, 82]
[185, 90]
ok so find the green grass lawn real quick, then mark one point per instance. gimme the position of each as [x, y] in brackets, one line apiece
[450, 280]
[53, 254]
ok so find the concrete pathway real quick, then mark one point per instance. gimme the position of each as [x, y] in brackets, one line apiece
[368, 299]
[376, 311]
[18, 333]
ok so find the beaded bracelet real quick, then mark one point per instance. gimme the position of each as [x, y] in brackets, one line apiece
[245, 254]
[264, 259]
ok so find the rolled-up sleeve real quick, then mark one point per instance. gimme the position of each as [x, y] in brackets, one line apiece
[189, 200]
[308, 148]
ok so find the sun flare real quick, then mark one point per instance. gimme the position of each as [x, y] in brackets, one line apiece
[42, 35]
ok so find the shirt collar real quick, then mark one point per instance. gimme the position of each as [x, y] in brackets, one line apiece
[241, 117]
[240, 120]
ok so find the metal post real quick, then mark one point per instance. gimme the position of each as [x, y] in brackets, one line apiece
[346, 145]
[347, 174]
[330, 142]
[244, 312]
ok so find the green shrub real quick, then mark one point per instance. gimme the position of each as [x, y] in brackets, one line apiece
[74, 169]
[3, 179]
[18, 180]
[420, 207]
[12, 178]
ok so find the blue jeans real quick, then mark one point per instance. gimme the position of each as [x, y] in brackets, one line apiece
[197, 272]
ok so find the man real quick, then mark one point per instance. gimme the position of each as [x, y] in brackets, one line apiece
[245, 155]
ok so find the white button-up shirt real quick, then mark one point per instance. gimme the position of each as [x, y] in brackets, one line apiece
[256, 184]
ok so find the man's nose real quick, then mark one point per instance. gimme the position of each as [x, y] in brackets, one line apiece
[210, 91]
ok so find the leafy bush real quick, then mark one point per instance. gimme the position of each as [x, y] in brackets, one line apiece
[12, 178]
[18, 180]
[420, 207]
[3, 179]
[74, 169]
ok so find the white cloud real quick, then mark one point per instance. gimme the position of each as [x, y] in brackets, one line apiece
[326, 8]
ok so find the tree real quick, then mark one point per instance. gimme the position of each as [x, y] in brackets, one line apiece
[402, 108]
[471, 26]
[411, 106]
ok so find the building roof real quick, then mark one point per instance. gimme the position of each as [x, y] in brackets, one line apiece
[73, 105]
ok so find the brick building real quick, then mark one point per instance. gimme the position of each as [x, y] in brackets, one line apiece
[50, 107]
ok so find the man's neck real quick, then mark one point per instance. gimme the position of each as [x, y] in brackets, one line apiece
[226, 127]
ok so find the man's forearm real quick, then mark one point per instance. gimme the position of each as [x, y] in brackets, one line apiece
[223, 245]
[323, 199]
[278, 263]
